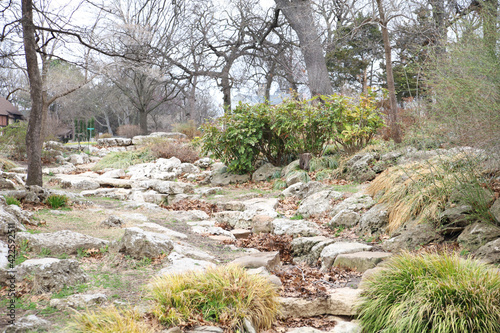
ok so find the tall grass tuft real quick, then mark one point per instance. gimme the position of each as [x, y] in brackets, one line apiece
[422, 190]
[109, 320]
[12, 201]
[57, 201]
[434, 293]
[224, 295]
[124, 159]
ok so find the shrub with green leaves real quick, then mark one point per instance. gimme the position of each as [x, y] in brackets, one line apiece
[281, 132]
[57, 201]
[431, 293]
[225, 295]
[13, 140]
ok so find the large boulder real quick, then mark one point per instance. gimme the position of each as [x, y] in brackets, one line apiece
[308, 249]
[78, 183]
[374, 220]
[477, 235]
[172, 188]
[490, 252]
[302, 190]
[319, 203]
[345, 218]
[50, 274]
[330, 252]
[412, 236]
[360, 261]
[357, 202]
[226, 178]
[77, 159]
[358, 167]
[265, 172]
[140, 244]
[61, 242]
[204, 162]
[340, 302]
[9, 222]
[295, 228]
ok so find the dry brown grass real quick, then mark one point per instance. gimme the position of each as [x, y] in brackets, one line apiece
[183, 151]
[422, 190]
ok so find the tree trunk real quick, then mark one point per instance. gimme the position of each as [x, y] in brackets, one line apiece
[143, 122]
[299, 15]
[34, 133]
[393, 111]
[226, 91]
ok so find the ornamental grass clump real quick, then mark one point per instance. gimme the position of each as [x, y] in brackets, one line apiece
[421, 191]
[439, 293]
[109, 320]
[57, 200]
[224, 295]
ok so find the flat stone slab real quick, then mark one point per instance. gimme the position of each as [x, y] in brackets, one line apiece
[139, 243]
[181, 265]
[153, 227]
[61, 242]
[330, 252]
[78, 301]
[340, 302]
[269, 260]
[241, 233]
[360, 261]
[295, 228]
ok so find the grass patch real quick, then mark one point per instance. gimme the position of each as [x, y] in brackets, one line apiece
[279, 184]
[432, 293]
[108, 320]
[124, 159]
[422, 190]
[56, 201]
[224, 295]
[12, 201]
[6, 165]
[324, 162]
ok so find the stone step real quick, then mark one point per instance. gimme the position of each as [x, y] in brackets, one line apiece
[360, 261]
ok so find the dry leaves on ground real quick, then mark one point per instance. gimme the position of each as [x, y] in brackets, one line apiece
[304, 281]
[288, 206]
[269, 242]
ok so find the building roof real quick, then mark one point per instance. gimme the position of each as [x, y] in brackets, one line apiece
[7, 109]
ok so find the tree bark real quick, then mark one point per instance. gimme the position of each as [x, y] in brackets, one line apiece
[143, 122]
[393, 111]
[34, 133]
[299, 15]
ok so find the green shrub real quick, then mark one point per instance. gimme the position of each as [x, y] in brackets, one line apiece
[124, 159]
[12, 201]
[57, 201]
[13, 140]
[225, 295]
[280, 133]
[431, 293]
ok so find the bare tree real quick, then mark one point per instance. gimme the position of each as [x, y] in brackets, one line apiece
[300, 16]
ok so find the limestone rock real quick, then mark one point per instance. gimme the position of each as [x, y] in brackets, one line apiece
[495, 210]
[225, 178]
[187, 216]
[49, 274]
[7, 184]
[265, 172]
[360, 261]
[359, 167]
[206, 329]
[345, 218]
[412, 236]
[290, 168]
[269, 260]
[112, 222]
[61, 242]
[79, 301]
[29, 323]
[330, 252]
[318, 203]
[77, 159]
[374, 220]
[478, 234]
[204, 162]
[22, 216]
[241, 233]
[490, 252]
[181, 264]
[262, 224]
[308, 249]
[356, 203]
[341, 302]
[302, 190]
[78, 183]
[139, 243]
[295, 177]
[295, 228]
